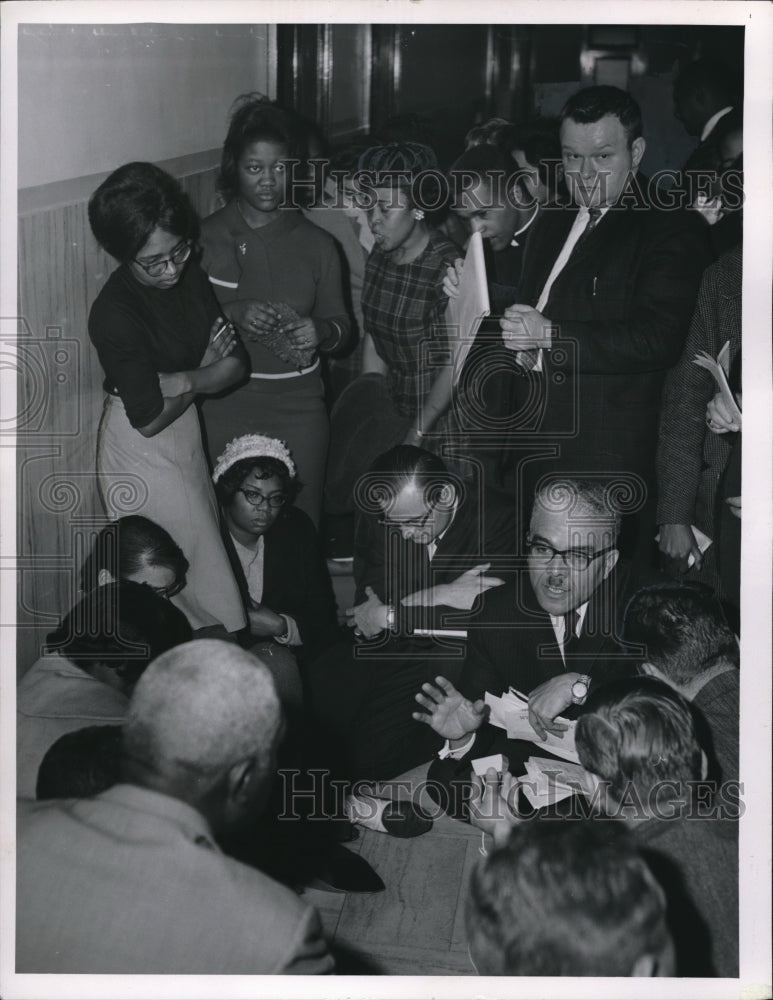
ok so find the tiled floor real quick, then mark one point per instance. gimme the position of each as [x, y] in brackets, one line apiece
[416, 926]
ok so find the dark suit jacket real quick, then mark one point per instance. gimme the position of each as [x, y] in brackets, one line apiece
[484, 530]
[295, 579]
[621, 308]
[511, 641]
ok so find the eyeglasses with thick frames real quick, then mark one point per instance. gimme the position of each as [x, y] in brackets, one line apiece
[407, 522]
[158, 267]
[257, 499]
[577, 559]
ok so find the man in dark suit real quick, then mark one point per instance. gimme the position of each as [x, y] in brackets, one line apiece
[427, 544]
[552, 635]
[605, 300]
[705, 91]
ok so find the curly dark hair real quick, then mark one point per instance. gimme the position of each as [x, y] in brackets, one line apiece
[132, 202]
[122, 626]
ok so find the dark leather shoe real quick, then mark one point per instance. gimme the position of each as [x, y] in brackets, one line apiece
[334, 869]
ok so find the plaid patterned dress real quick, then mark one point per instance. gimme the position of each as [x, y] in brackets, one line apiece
[403, 306]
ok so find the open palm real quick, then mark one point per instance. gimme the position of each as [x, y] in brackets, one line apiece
[448, 712]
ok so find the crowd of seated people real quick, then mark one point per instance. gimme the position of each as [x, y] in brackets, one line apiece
[531, 525]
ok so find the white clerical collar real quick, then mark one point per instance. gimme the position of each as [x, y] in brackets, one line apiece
[432, 547]
[708, 128]
[514, 242]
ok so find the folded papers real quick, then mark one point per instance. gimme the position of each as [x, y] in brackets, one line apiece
[511, 713]
[548, 781]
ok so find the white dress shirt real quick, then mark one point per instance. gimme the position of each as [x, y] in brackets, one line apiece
[578, 228]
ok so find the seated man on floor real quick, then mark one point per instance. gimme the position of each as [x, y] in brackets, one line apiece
[689, 645]
[132, 880]
[552, 634]
[637, 741]
[568, 899]
[92, 663]
[427, 545]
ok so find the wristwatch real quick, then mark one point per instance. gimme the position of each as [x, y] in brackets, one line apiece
[391, 617]
[580, 689]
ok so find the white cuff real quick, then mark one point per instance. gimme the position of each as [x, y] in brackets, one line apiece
[457, 752]
[293, 635]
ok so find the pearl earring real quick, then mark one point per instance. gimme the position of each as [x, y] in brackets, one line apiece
[418, 214]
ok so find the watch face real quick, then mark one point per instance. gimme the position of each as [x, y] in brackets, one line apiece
[580, 689]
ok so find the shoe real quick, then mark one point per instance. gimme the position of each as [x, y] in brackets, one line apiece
[397, 817]
[334, 869]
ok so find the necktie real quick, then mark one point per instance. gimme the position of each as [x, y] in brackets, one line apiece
[571, 621]
[528, 359]
[594, 215]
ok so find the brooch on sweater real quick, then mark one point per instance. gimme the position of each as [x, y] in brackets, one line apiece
[243, 249]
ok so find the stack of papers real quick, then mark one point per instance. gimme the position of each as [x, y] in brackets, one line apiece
[511, 712]
[548, 781]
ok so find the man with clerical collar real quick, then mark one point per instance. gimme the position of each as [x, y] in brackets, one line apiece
[426, 545]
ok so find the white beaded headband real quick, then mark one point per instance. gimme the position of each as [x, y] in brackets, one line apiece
[253, 446]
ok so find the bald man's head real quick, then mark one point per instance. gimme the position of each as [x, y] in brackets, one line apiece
[200, 712]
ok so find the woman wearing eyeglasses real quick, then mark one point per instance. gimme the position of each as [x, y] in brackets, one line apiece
[162, 342]
[277, 560]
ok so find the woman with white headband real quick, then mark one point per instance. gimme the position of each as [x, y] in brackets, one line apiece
[276, 557]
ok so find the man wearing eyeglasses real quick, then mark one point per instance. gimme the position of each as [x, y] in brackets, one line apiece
[550, 635]
[427, 544]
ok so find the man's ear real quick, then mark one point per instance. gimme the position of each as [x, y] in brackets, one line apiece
[104, 577]
[637, 151]
[240, 779]
[610, 561]
[446, 496]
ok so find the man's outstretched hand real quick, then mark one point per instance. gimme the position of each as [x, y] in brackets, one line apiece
[448, 712]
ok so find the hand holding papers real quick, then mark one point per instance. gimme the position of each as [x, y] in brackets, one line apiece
[511, 712]
[702, 540]
[548, 781]
[470, 306]
[719, 370]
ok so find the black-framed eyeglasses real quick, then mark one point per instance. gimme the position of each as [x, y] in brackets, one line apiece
[577, 559]
[257, 499]
[407, 522]
[158, 267]
[171, 591]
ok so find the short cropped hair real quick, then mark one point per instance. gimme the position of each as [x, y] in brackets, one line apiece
[488, 162]
[712, 76]
[255, 118]
[124, 547]
[202, 707]
[636, 732]
[582, 498]
[134, 201]
[594, 103]
[682, 628]
[264, 467]
[81, 764]
[122, 626]
[571, 898]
